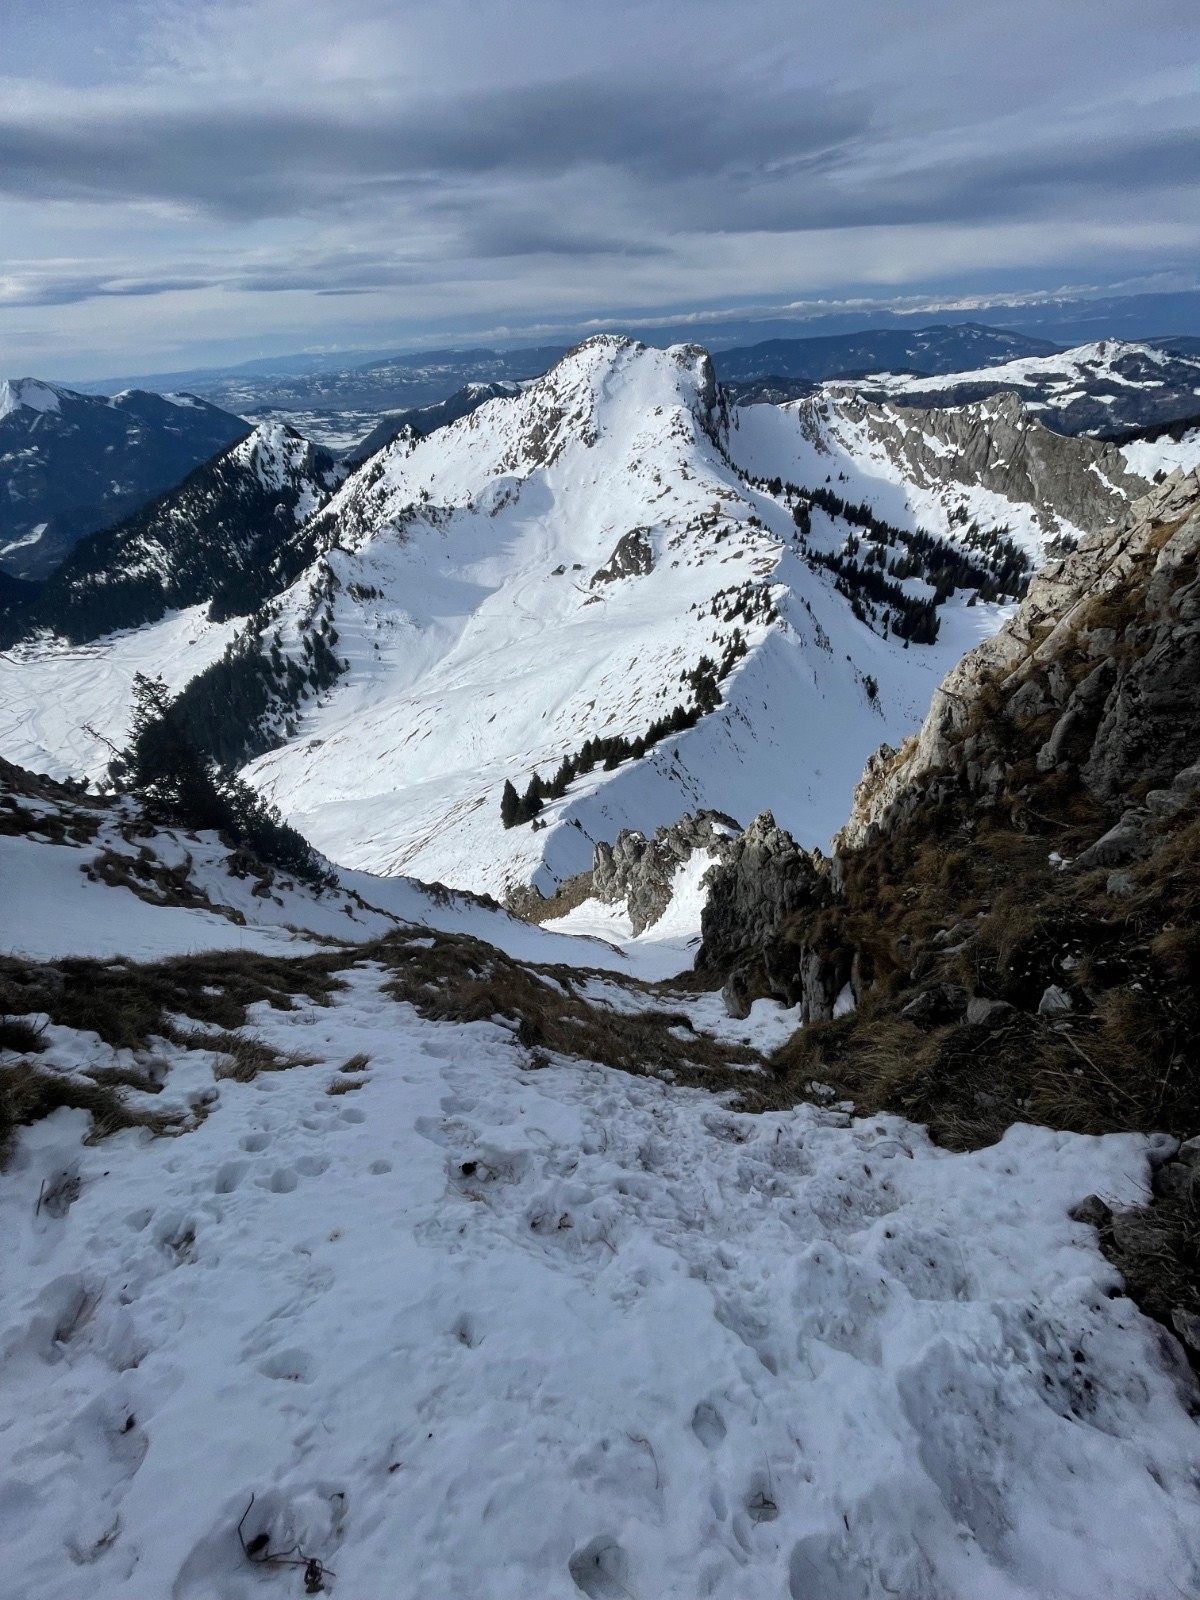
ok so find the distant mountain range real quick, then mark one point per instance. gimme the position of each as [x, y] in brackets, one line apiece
[71, 464]
[317, 388]
[940, 348]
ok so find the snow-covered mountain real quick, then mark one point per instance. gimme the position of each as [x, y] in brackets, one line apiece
[71, 464]
[363, 1239]
[228, 535]
[987, 463]
[1103, 388]
[609, 581]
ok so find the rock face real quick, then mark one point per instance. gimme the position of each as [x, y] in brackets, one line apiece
[1099, 666]
[1073, 483]
[972, 887]
[641, 871]
[633, 556]
[763, 880]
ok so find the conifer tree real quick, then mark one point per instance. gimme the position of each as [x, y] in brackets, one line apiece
[510, 805]
[532, 801]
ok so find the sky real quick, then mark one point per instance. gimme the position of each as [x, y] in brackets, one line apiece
[185, 182]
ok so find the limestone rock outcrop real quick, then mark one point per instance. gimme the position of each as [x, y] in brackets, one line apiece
[641, 871]
[1099, 665]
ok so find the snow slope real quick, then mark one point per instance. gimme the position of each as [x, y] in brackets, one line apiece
[52, 693]
[432, 1333]
[1164, 454]
[84, 876]
[486, 641]
[554, 568]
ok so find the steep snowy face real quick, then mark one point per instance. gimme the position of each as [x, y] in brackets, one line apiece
[582, 565]
[27, 392]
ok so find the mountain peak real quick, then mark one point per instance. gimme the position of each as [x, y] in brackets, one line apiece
[28, 392]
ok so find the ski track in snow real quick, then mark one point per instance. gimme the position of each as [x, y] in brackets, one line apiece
[481, 1330]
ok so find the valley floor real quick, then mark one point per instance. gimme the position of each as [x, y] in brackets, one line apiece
[497, 1325]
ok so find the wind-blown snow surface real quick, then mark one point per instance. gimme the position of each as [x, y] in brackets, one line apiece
[477, 1330]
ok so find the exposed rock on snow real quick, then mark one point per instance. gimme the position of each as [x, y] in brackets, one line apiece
[989, 459]
[641, 872]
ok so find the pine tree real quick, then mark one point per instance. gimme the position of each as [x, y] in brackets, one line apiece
[510, 805]
[177, 784]
[532, 801]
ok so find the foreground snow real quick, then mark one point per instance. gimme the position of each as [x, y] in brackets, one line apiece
[482, 1330]
[145, 894]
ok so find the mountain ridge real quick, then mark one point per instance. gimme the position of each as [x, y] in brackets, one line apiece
[72, 464]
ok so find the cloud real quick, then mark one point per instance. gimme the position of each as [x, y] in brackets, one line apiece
[446, 156]
[246, 162]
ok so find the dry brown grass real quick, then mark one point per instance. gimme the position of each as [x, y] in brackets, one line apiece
[29, 1092]
[243, 1057]
[127, 1003]
[460, 979]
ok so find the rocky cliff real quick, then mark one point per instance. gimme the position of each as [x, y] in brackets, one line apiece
[1095, 676]
[1072, 483]
[1009, 928]
[1030, 858]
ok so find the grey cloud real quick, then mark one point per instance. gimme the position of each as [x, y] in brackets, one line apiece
[275, 161]
[621, 155]
[682, 159]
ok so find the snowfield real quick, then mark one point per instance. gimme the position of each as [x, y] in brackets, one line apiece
[481, 1330]
[60, 702]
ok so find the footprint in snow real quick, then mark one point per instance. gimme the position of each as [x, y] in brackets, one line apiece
[290, 1366]
[467, 1331]
[708, 1425]
[229, 1176]
[599, 1569]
